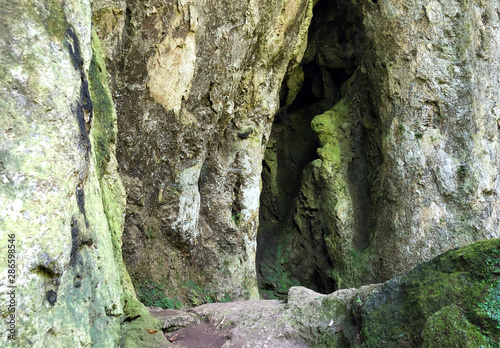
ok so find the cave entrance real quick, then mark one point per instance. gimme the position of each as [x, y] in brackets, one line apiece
[310, 90]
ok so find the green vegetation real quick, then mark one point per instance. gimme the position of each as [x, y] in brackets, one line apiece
[56, 23]
[294, 84]
[104, 121]
[491, 305]
[350, 268]
[236, 218]
[451, 301]
[462, 170]
[151, 232]
[449, 328]
[152, 295]
[331, 136]
[199, 295]
[402, 128]
[277, 281]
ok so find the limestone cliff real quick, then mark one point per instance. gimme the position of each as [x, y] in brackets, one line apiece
[62, 202]
[402, 98]
[196, 86]
[215, 149]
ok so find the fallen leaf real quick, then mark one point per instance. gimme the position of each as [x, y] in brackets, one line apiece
[152, 331]
[173, 337]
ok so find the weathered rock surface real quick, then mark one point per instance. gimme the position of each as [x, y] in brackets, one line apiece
[435, 67]
[196, 87]
[408, 158]
[61, 199]
[172, 319]
[451, 301]
[386, 113]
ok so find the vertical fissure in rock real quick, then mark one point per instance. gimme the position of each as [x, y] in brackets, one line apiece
[298, 241]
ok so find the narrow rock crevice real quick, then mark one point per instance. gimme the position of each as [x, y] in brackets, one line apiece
[301, 240]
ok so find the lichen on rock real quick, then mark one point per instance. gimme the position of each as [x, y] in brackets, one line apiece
[196, 87]
[62, 197]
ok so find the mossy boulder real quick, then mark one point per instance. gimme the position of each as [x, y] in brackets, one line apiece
[451, 300]
[448, 327]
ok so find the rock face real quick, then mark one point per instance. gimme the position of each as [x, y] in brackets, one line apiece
[196, 87]
[369, 126]
[451, 301]
[61, 199]
[407, 149]
[436, 71]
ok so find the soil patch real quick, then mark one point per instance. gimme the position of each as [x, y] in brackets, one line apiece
[201, 335]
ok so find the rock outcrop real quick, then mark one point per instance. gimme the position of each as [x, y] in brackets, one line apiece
[407, 149]
[154, 137]
[451, 301]
[62, 202]
[196, 86]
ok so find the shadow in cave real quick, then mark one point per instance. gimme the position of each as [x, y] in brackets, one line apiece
[292, 146]
[327, 64]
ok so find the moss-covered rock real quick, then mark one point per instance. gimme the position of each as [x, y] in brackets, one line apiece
[136, 319]
[61, 196]
[446, 301]
[449, 328]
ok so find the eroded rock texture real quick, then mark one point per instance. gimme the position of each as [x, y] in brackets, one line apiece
[451, 301]
[196, 87]
[436, 70]
[407, 161]
[383, 152]
[61, 199]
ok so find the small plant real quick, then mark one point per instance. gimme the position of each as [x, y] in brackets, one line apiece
[358, 301]
[401, 128]
[236, 218]
[419, 135]
[199, 295]
[491, 305]
[462, 169]
[226, 298]
[383, 193]
[151, 232]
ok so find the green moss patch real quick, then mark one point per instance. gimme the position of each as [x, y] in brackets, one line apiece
[152, 295]
[104, 121]
[140, 329]
[448, 327]
[450, 301]
[56, 23]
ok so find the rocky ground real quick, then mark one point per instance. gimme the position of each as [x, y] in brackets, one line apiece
[265, 323]
[450, 301]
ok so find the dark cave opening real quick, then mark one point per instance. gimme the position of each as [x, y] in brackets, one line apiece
[327, 64]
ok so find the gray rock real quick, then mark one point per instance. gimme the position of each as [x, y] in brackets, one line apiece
[172, 319]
